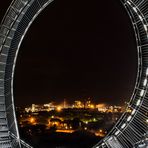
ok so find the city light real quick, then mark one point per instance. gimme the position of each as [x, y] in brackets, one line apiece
[94, 120]
[71, 117]
[34, 108]
[59, 108]
[92, 106]
[32, 120]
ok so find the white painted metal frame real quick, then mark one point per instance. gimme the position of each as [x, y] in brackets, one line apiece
[132, 128]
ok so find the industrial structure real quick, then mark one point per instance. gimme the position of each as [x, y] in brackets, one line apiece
[132, 128]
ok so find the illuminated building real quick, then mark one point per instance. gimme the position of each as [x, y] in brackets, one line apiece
[101, 107]
[78, 104]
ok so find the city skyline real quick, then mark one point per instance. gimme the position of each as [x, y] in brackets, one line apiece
[72, 100]
[101, 107]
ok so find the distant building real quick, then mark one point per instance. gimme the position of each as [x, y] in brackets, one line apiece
[78, 104]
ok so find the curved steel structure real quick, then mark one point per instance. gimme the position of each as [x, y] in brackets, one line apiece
[132, 128]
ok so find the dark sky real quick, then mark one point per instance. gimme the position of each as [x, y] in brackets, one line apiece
[77, 50]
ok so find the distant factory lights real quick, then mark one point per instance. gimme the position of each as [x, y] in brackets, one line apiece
[76, 105]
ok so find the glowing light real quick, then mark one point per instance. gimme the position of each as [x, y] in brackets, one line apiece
[64, 131]
[145, 27]
[32, 120]
[59, 108]
[133, 112]
[138, 102]
[128, 2]
[140, 17]
[92, 106]
[110, 138]
[123, 126]
[129, 118]
[94, 120]
[145, 82]
[142, 93]
[134, 8]
[147, 71]
[117, 132]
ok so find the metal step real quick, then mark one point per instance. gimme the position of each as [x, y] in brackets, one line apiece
[4, 134]
[3, 121]
[2, 114]
[2, 101]
[2, 107]
[5, 144]
[3, 128]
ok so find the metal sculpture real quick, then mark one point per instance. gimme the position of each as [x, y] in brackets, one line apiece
[132, 128]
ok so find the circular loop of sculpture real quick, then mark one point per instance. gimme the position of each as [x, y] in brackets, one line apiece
[129, 131]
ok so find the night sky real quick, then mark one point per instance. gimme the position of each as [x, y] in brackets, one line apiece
[75, 50]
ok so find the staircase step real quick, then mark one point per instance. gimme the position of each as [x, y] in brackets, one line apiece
[5, 144]
[4, 134]
[3, 128]
[3, 121]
